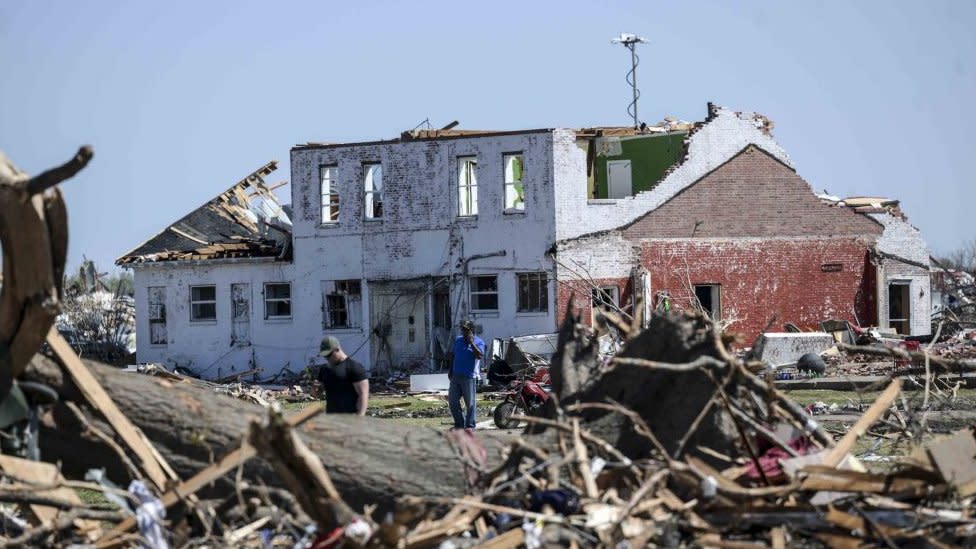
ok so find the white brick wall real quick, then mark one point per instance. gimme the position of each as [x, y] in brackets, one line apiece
[420, 234]
[901, 239]
[205, 346]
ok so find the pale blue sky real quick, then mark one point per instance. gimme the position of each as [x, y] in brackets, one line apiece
[181, 99]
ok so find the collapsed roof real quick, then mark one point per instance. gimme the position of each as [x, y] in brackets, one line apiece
[245, 221]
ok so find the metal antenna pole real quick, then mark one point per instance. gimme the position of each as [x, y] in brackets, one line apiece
[633, 69]
[630, 41]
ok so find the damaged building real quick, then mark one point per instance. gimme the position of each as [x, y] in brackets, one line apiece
[197, 280]
[390, 243]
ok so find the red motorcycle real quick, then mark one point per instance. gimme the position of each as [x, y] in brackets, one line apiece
[526, 395]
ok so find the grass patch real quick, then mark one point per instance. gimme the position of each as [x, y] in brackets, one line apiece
[405, 407]
[93, 497]
[809, 396]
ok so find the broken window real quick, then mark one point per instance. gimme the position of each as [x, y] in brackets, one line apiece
[341, 304]
[533, 292]
[467, 185]
[709, 298]
[330, 194]
[514, 191]
[203, 303]
[240, 313]
[157, 315]
[607, 297]
[277, 300]
[373, 187]
[484, 293]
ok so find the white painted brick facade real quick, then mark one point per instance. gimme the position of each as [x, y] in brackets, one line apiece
[902, 240]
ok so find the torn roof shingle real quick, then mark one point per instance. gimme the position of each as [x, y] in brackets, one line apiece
[246, 220]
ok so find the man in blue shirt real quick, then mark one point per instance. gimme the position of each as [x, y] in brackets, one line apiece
[467, 354]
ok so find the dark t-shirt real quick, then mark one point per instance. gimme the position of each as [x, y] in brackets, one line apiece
[337, 380]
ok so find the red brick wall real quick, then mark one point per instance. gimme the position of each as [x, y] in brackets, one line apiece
[751, 195]
[577, 293]
[762, 278]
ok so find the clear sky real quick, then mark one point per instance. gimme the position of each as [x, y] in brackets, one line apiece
[182, 99]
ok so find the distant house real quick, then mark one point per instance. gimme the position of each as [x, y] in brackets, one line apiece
[391, 243]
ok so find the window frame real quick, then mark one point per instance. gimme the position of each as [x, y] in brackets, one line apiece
[267, 300]
[342, 289]
[157, 313]
[611, 291]
[714, 297]
[541, 304]
[506, 183]
[370, 194]
[198, 302]
[473, 293]
[471, 185]
[329, 200]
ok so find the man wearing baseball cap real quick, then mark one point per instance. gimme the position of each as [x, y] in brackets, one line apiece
[345, 380]
[468, 350]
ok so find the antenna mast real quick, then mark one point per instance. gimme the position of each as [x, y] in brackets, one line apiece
[630, 42]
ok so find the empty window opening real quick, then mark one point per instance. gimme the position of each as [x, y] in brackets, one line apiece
[709, 298]
[330, 194]
[373, 188]
[514, 190]
[467, 186]
[203, 303]
[899, 307]
[606, 298]
[277, 300]
[157, 315]
[533, 293]
[341, 304]
[484, 293]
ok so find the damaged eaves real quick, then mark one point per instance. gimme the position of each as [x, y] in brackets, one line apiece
[245, 221]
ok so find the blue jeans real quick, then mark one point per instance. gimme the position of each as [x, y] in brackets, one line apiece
[462, 387]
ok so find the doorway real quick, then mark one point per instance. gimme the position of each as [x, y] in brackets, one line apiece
[899, 307]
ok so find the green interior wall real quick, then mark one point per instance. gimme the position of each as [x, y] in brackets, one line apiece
[650, 156]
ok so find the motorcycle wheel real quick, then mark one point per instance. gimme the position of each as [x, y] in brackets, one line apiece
[503, 415]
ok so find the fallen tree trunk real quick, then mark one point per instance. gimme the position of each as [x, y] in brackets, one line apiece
[370, 460]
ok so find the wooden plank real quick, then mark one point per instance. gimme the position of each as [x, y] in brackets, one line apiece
[99, 399]
[206, 476]
[873, 413]
[41, 473]
[836, 480]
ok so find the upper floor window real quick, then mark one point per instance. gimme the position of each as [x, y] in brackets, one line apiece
[330, 194]
[467, 185]
[533, 292]
[277, 300]
[484, 293]
[373, 188]
[514, 191]
[203, 303]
